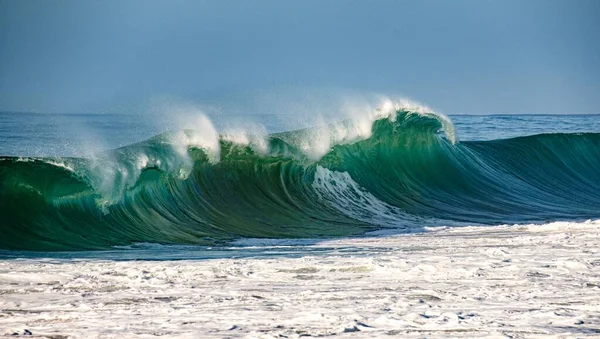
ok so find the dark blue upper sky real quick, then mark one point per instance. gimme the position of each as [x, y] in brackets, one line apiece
[513, 56]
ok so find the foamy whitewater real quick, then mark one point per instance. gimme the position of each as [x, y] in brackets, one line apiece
[377, 220]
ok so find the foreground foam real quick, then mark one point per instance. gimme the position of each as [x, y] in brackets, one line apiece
[471, 282]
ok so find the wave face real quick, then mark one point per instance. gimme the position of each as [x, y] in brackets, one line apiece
[345, 179]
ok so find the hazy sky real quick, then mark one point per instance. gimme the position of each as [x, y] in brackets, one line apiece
[522, 56]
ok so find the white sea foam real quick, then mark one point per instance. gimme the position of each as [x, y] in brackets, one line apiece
[354, 122]
[346, 195]
[62, 164]
[501, 281]
[253, 135]
[112, 173]
[343, 193]
[196, 130]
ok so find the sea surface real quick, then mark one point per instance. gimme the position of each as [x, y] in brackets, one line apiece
[210, 186]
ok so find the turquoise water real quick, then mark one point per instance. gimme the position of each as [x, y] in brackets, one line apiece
[109, 182]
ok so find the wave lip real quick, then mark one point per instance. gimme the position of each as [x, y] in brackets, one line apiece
[395, 168]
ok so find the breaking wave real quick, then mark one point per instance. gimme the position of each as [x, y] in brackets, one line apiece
[398, 167]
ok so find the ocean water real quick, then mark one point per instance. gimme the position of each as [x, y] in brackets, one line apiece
[147, 187]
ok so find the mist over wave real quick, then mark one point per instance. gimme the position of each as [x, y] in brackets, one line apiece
[395, 165]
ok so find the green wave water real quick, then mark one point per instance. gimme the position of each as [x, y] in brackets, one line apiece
[401, 173]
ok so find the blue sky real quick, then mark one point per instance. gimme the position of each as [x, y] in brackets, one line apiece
[533, 56]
